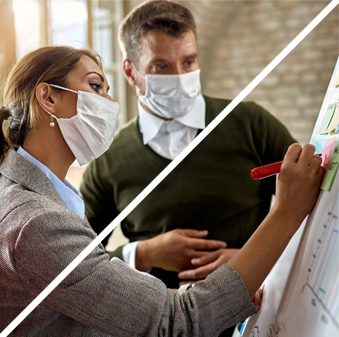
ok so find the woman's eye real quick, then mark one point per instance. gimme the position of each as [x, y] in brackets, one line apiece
[97, 87]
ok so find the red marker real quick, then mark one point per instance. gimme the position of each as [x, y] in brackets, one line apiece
[267, 170]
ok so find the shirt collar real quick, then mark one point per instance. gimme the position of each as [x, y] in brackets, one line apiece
[69, 194]
[151, 124]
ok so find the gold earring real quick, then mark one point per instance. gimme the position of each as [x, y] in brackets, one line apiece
[52, 124]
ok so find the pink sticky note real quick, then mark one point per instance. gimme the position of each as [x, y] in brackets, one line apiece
[327, 152]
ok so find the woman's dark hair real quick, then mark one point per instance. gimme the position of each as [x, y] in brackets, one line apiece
[50, 64]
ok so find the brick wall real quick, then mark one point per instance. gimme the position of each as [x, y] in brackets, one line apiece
[237, 39]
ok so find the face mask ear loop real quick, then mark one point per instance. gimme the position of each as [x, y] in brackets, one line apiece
[59, 87]
[52, 124]
[144, 77]
[135, 68]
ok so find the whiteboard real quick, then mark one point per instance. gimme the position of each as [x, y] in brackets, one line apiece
[301, 293]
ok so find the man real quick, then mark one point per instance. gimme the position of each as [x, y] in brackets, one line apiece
[209, 201]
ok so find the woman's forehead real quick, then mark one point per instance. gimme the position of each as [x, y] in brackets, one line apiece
[86, 64]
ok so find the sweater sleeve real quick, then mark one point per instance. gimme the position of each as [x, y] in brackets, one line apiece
[98, 197]
[115, 299]
[272, 138]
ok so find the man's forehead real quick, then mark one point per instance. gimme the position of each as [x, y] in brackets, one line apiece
[158, 46]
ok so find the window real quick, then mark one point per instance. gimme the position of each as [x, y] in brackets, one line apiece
[103, 25]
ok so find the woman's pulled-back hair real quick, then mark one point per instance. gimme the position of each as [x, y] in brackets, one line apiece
[153, 16]
[50, 64]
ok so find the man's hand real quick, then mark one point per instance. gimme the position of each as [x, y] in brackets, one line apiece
[174, 250]
[206, 264]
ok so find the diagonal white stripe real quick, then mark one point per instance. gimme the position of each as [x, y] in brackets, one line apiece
[169, 168]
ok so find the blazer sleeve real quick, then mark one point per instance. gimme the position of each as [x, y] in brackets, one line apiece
[113, 298]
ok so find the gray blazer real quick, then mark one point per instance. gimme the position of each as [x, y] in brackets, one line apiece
[39, 237]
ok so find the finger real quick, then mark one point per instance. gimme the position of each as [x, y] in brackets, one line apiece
[293, 153]
[306, 155]
[193, 233]
[256, 301]
[198, 273]
[315, 165]
[202, 244]
[188, 282]
[206, 258]
[257, 298]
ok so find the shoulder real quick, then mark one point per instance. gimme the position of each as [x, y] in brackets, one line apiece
[20, 203]
[245, 112]
[34, 224]
[21, 206]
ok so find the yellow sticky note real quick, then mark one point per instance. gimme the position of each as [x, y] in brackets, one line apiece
[336, 83]
[329, 113]
[334, 121]
[332, 169]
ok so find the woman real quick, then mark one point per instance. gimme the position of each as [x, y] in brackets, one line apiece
[57, 109]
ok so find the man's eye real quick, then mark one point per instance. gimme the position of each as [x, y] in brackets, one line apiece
[97, 87]
[160, 68]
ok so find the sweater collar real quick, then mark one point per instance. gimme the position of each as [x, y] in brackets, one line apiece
[150, 125]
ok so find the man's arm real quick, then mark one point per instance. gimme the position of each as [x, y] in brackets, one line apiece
[179, 245]
[270, 140]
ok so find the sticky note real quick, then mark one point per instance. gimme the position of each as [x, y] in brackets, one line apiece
[329, 113]
[327, 152]
[332, 169]
[334, 121]
[336, 82]
[319, 146]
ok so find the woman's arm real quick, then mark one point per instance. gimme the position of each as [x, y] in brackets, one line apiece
[297, 189]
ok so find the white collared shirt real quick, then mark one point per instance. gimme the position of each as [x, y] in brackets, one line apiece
[168, 139]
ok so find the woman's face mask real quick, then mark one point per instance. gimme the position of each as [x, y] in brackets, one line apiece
[90, 132]
[171, 96]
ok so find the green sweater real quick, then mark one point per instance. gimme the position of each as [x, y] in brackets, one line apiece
[210, 189]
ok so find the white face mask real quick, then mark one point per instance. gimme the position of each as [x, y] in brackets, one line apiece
[90, 132]
[171, 96]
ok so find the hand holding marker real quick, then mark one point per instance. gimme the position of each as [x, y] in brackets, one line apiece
[267, 170]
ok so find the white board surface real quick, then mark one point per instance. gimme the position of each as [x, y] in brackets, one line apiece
[301, 294]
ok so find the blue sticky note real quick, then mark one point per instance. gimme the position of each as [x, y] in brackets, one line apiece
[319, 146]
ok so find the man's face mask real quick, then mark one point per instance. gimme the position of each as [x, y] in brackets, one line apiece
[171, 96]
[90, 132]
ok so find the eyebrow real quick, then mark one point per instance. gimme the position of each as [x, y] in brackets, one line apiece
[193, 55]
[101, 77]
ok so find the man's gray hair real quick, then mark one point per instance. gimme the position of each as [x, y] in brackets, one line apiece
[153, 16]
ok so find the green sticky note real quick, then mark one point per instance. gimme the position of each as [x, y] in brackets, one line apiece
[329, 113]
[332, 169]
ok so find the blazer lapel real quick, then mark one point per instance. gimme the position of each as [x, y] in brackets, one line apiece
[23, 172]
